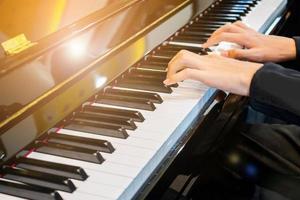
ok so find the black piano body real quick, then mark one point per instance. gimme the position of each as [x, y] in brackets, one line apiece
[46, 85]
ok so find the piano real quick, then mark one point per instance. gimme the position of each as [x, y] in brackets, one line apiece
[84, 112]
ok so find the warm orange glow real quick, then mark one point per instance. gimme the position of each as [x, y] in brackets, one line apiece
[34, 18]
[77, 48]
[57, 15]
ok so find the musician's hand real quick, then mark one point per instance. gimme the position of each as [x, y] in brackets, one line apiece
[213, 70]
[258, 47]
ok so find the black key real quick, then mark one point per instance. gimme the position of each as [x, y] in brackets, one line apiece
[68, 151]
[166, 51]
[38, 178]
[157, 75]
[63, 170]
[196, 33]
[204, 24]
[145, 85]
[150, 73]
[229, 4]
[232, 7]
[190, 39]
[198, 50]
[160, 67]
[226, 10]
[218, 19]
[237, 16]
[204, 29]
[126, 102]
[181, 47]
[84, 142]
[153, 97]
[167, 54]
[98, 129]
[143, 77]
[241, 2]
[201, 51]
[207, 50]
[114, 121]
[157, 59]
[146, 78]
[28, 191]
[208, 23]
[105, 111]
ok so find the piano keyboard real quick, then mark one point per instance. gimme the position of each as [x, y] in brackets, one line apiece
[109, 148]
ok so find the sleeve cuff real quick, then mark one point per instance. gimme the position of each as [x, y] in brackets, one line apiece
[276, 86]
[297, 42]
[256, 90]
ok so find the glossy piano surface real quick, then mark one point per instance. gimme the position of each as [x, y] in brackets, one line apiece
[37, 18]
[72, 47]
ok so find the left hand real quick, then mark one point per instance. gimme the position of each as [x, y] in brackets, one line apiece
[213, 70]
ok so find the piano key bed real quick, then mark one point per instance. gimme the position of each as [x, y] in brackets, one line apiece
[111, 145]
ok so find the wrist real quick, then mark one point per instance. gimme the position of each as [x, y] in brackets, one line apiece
[291, 50]
[250, 70]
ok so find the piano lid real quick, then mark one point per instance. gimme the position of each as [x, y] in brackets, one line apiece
[37, 18]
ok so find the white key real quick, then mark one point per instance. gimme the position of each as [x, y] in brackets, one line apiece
[259, 18]
[98, 189]
[81, 196]
[113, 168]
[263, 14]
[134, 140]
[101, 179]
[9, 197]
[147, 140]
[124, 154]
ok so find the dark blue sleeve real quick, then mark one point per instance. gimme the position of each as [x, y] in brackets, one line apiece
[297, 41]
[278, 88]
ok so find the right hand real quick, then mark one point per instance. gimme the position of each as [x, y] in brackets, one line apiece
[258, 47]
[216, 71]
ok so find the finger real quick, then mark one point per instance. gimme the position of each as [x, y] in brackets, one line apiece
[238, 38]
[182, 60]
[243, 26]
[228, 28]
[242, 54]
[185, 74]
[177, 77]
[176, 63]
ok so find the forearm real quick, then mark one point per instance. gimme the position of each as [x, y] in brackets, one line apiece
[278, 87]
